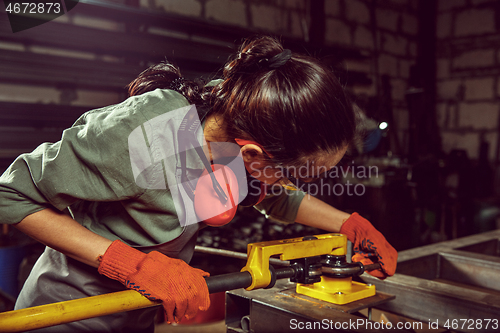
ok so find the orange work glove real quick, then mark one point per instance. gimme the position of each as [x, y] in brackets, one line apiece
[181, 288]
[370, 246]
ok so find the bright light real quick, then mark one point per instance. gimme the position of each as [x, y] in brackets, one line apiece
[383, 125]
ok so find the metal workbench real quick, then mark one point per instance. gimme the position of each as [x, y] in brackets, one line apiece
[281, 309]
[454, 283]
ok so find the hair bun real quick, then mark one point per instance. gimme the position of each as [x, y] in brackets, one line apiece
[256, 54]
[279, 60]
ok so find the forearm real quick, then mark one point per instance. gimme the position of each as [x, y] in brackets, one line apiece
[62, 233]
[316, 213]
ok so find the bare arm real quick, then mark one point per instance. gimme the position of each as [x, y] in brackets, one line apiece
[62, 233]
[315, 213]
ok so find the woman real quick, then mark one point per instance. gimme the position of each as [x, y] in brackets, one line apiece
[83, 196]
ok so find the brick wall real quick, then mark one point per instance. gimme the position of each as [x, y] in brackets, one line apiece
[386, 32]
[285, 17]
[468, 66]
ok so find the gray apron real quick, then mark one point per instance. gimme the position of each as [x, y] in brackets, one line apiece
[56, 278]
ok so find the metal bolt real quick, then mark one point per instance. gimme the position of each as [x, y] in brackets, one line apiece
[339, 293]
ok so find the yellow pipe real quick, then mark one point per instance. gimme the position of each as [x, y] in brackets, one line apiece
[74, 310]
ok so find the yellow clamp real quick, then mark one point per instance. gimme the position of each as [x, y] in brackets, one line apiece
[289, 249]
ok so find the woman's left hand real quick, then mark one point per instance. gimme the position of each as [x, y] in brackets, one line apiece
[370, 246]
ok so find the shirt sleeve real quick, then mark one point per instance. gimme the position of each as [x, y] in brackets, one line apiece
[90, 162]
[282, 207]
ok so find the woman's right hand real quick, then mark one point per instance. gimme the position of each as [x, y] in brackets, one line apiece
[370, 246]
[181, 288]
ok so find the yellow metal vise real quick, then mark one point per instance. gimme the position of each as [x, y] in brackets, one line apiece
[338, 290]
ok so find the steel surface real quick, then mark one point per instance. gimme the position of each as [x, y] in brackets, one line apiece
[453, 280]
[278, 308]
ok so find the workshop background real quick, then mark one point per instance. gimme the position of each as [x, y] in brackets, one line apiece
[425, 75]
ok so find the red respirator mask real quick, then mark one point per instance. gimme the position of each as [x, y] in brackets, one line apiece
[218, 190]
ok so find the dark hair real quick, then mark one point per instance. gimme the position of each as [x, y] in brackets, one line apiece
[293, 110]
[166, 76]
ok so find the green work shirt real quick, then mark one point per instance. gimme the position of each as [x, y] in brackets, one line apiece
[88, 175]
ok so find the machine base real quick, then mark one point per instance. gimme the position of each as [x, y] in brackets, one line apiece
[336, 290]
